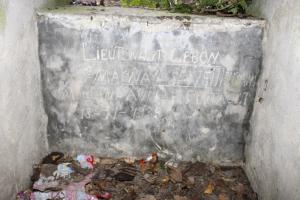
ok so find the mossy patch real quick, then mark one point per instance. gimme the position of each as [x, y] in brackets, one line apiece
[139, 3]
[203, 3]
[56, 3]
[2, 17]
[182, 8]
[152, 4]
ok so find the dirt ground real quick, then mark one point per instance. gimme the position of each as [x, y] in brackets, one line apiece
[86, 177]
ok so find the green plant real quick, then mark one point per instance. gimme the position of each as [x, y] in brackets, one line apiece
[164, 4]
[58, 2]
[182, 8]
[139, 3]
[233, 7]
[206, 3]
[238, 6]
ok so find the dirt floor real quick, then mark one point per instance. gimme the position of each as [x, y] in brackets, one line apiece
[86, 177]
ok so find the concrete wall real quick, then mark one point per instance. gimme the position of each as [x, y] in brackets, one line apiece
[273, 150]
[120, 81]
[22, 119]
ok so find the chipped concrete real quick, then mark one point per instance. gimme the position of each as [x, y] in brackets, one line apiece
[122, 81]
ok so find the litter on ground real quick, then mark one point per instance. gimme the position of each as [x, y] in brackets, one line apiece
[88, 177]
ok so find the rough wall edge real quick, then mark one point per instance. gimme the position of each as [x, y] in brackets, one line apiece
[248, 167]
[92, 21]
[150, 15]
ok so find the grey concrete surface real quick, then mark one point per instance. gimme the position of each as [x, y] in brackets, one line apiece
[273, 145]
[22, 118]
[131, 81]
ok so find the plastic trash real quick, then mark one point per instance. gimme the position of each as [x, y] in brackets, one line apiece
[72, 191]
[63, 171]
[65, 195]
[105, 195]
[152, 158]
[45, 182]
[24, 195]
[86, 161]
[150, 163]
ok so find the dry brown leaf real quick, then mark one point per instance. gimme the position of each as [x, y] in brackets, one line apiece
[223, 196]
[240, 190]
[190, 181]
[165, 180]
[210, 189]
[107, 161]
[175, 174]
[148, 197]
[129, 160]
[228, 179]
[177, 197]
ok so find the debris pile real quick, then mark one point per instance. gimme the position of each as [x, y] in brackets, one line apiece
[87, 177]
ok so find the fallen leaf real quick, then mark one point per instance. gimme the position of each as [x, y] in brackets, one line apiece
[148, 197]
[191, 181]
[165, 180]
[240, 190]
[154, 158]
[223, 196]
[130, 160]
[107, 161]
[143, 166]
[228, 179]
[52, 158]
[177, 197]
[175, 174]
[150, 178]
[124, 176]
[212, 169]
[210, 188]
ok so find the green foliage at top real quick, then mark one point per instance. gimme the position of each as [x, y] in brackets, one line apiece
[164, 4]
[219, 7]
[182, 8]
[204, 3]
[56, 3]
[145, 3]
[233, 7]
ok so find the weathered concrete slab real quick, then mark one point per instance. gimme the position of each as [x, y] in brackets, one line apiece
[127, 81]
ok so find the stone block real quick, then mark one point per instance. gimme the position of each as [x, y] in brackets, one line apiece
[121, 81]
